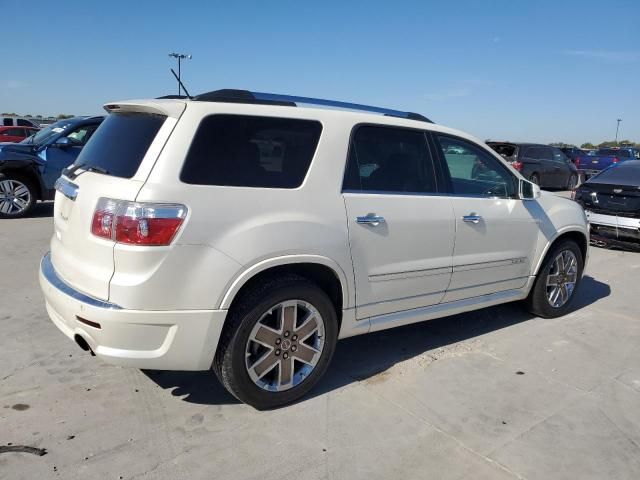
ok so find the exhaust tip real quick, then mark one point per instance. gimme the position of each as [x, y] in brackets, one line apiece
[82, 343]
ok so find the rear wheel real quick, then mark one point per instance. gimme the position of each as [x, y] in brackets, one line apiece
[573, 182]
[557, 281]
[17, 196]
[534, 178]
[277, 342]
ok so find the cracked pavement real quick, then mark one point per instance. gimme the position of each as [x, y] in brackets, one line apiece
[492, 394]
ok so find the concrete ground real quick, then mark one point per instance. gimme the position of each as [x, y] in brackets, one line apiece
[493, 394]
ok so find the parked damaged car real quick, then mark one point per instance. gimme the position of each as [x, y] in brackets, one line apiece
[29, 169]
[611, 200]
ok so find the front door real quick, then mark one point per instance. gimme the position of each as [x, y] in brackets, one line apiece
[496, 232]
[57, 159]
[401, 234]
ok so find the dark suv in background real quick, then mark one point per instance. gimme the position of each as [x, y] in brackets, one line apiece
[544, 165]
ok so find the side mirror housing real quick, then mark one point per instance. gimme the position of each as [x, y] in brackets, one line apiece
[528, 190]
[62, 142]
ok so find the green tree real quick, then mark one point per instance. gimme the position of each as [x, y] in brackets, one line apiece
[63, 116]
[587, 145]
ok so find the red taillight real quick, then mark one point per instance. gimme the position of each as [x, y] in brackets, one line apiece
[517, 165]
[132, 223]
[615, 160]
[577, 161]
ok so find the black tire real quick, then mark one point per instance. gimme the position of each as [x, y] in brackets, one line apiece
[229, 364]
[534, 178]
[572, 182]
[32, 194]
[537, 302]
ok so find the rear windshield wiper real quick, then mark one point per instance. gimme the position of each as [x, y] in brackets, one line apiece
[71, 171]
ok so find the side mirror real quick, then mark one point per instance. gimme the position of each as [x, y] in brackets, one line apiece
[528, 190]
[63, 142]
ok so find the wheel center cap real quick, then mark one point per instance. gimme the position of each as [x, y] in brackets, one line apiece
[286, 344]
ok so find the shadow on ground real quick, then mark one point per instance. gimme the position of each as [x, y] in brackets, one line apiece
[42, 210]
[362, 357]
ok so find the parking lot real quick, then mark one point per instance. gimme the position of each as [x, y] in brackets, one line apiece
[492, 394]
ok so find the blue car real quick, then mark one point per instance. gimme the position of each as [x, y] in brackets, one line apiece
[29, 169]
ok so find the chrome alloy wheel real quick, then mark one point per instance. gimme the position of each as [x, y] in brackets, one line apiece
[562, 277]
[285, 345]
[15, 197]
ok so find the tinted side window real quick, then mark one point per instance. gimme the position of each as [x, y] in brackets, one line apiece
[546, 153]
[558, 156]
[387, 159]
[7, 122]
[250, 151]
[474, 171]
[532, 152]
[24, 123]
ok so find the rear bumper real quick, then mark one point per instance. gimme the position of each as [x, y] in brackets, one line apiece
[616, 229]
[159, 340]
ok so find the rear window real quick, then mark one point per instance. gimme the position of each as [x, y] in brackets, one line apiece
[625, 173]
[120, 143]
[251, 151]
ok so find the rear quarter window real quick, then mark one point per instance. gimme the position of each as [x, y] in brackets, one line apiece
[121, 142]
[251, 151]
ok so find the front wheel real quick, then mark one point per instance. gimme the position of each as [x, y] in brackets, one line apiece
[557, 281]
[277, 342]
[17, 196]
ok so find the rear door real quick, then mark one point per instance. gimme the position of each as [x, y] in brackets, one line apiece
[125, 146]
[562, 171]
[496, 233]
[401, 232]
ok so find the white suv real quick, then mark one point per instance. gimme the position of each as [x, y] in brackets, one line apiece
[240, 232]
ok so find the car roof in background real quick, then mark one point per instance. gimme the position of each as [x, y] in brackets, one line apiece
[623, 173]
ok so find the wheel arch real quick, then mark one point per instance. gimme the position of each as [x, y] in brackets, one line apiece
[322, 270]
[27, 172]
[577, 235]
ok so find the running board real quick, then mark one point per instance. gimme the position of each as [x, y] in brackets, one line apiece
[397, 319]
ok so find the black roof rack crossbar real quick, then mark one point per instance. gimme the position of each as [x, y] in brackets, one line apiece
[246, 96]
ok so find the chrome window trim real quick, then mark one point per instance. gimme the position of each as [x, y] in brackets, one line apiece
[49, 272]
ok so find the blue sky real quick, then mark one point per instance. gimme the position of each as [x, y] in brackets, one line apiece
[521, 70]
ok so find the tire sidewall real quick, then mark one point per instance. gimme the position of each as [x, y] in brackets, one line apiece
[234, 358]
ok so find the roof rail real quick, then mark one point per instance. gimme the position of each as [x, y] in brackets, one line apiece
[246, 96]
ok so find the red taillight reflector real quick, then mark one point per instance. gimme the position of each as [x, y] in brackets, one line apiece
[88, 322]
[577, 161]
[132, 223]
[146, 231]
[615, 160]
[517, 165]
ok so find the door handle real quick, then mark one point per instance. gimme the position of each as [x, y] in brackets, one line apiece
[472, 218]
[370, 219]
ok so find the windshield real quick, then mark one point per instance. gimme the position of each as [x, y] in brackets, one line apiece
[47, 133]
[614, 152]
